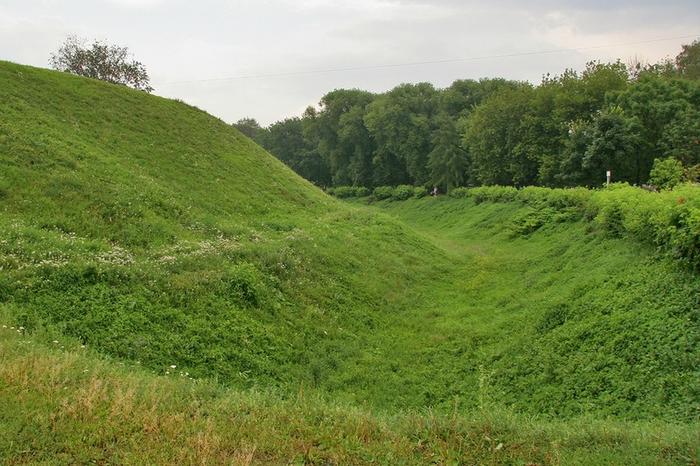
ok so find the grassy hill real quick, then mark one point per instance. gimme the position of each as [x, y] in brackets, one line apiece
[289, 326]
[154, 232]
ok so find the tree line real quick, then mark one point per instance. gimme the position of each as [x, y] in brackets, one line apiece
[567, 131]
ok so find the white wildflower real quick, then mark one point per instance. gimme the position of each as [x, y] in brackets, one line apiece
[116, 256]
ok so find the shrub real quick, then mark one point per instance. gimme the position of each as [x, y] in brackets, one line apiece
[611, 219]
[669, 220]
[493, 193]
[534, 195]
[344, 192]
[692, 174]
[420, 191]
[361, 191]
[459, 192]
[402, 192]
[574, 198]
[682, 236]
[666, 173]
[383, 192]
[571, 197]
[532, 221]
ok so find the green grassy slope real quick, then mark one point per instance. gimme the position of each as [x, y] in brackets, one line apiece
[159, 236]
[565, 320]
[157, 233]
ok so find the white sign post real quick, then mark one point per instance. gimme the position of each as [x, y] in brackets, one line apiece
[608, 177]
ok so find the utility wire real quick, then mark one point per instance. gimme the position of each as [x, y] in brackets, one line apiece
[426, 62]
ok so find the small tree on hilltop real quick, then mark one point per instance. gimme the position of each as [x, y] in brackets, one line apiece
[102, 61]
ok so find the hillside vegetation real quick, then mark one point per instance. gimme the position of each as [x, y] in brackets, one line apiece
[154, 232]
[290, 326]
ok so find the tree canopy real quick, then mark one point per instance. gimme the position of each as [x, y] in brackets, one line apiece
[566, 131]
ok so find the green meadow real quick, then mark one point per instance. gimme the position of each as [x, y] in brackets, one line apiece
[169, 292]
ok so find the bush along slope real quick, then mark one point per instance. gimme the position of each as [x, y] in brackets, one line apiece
[669, 220]
[396, 193]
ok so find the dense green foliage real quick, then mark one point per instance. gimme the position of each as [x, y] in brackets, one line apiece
[666, 173]
[567, 131]
[161, 237]
[397, 193]
[669, 221]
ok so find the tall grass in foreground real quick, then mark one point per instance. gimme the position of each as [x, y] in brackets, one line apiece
[63, 405]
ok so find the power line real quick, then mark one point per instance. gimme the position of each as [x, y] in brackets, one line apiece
[426, 62]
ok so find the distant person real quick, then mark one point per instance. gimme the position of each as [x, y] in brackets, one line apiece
[434, 192]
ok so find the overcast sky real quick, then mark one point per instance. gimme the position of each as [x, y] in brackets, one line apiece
[188, 45]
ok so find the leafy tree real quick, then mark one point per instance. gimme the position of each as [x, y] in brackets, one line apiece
[572, 171]
[666, 173]
[250, 127]
[615, 146]
[287, 141]
[563, 103]
[448, 161]
[566, 131]
[401, 123]
[494, 136]
[343, 139]
[542, 136]
[681, 136]
[102, 61]
[688, 61]
[464, 95]
[581, 96]
[664, 109]
[355, 139]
